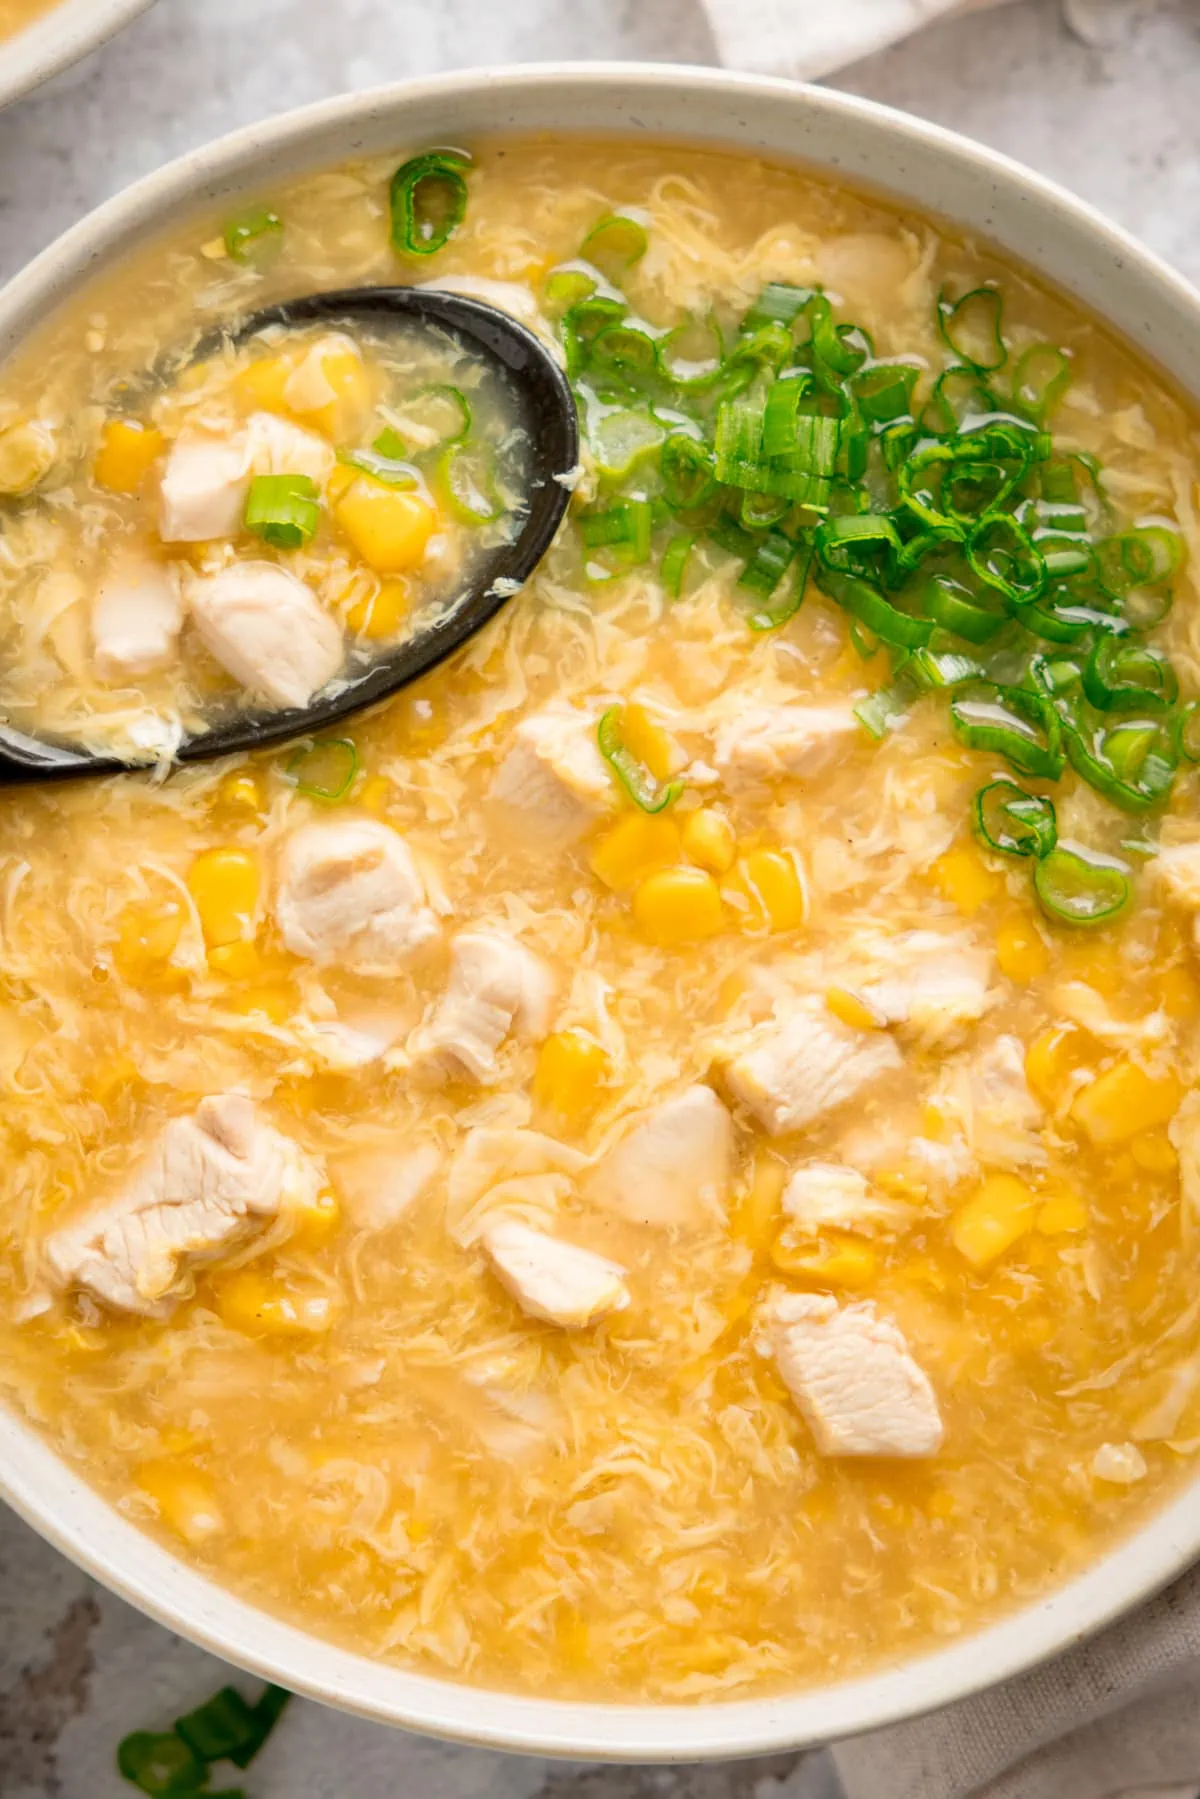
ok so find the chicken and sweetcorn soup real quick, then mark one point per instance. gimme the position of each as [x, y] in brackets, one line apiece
[666, 1159]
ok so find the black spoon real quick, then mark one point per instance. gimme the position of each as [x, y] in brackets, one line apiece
[545, 411]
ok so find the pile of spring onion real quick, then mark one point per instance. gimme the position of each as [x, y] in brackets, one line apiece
[951, 532]
[177, 1764]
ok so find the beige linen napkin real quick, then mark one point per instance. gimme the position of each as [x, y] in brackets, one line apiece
[1119, 1715]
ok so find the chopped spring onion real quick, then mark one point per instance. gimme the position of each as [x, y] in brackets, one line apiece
[160, 1762]
[971, 327]
[622, 439]
[691, 355]
[176, 1764]
[783, 602]
[1187, 732]
[468, 478]
[1040, 379]
[645, 792]
[384, 461]
[900, 630]
[254, 237]
[1118, 676]
[326, 769]
[615, 243]
[220, 1728]
[676, 557]
[622, 530]
[1015, 822]
[1013, 722]
[428, 198]
[1076, 886]
[688, 474]
[1002, 555]
[883, 391]
[882, 710]
[284, 510]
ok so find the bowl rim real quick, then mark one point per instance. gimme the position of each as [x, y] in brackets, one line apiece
[57, 38]
[63, 1509]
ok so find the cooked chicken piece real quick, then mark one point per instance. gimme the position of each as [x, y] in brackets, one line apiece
[557, 1282]
[350, 892]
[496, 986]
[1176, 871]
[1005, 1118]
[829, 1196]
[137, 616]
[942, 991]
[204, 487]
[673, 1167]
[765, 743]
[209, 1184]
[277, 447]
[942, 1167]
[1184, 1132]
[381, 1186]
[308, 387]
[853, 1378]
[554, 777]
[268, 630]
[806, 1065]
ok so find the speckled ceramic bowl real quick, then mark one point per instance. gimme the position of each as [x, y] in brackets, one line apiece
[911, 161]
[56, 39]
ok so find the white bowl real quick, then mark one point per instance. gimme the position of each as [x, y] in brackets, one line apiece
[933, 169]
[58, 38]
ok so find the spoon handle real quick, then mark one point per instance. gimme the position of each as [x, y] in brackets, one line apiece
[24, 760]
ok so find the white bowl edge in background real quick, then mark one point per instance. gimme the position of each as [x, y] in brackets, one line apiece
[939, 172]
[70, 30]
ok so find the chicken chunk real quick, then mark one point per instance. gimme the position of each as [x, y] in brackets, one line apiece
[829, 1196]
[673, 1167]
[275, 446]
[137, 616]
[554, 779]
[209, 1184]
[851, 1374]
[380, 1186]
[934, 1000]
[1176, 874]
[496, 986]
[351, 893]
[551, 1280]
[766, 743]
[807, 1065]
[204, 487]
[268, 630]
[1005, 1118]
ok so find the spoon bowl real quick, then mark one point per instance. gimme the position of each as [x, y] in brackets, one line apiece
[545, 412]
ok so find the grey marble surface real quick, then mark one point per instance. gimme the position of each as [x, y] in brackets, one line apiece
[1102, 96]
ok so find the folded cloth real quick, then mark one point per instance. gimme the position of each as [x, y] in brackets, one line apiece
[808, 38]
[1117, 1715]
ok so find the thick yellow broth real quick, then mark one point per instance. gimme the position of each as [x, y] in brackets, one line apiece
[416, 1467]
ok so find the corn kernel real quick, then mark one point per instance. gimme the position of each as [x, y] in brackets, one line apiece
[572, 1068]
[259, 1307]
[315, 1222]
[146, 939]
[1124, 1101]
[709, 841]
[388, 526]
[185, 1500]
[1097, 965]
[128, 451]
[850, 1010]
[1062, 1214]
[1053, 1056]
[639, 844]
[842, 1262]
[771, 880]
[380, 614]
[756, 1215]
[993, 1219]
[645, 739]
[343, 375]
[340, 480]
[241, 793]
[260, 385]
[1020, 951]
[376, 795]
[225, 885]
[1154, 1152]
[236, 961]
[1179, 995]
[679, 905]
[965, 879]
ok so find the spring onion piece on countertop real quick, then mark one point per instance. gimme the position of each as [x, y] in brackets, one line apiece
[177, 1764]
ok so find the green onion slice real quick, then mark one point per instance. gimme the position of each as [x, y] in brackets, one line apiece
[615, 243]
[1119, 676]
[692, 355]
[1014, 822]
[884, 709]
[1014, 723]
[956, 609]
[325, 770]
[428, 199]
[901, 630]
[220, 1728]
[972, 328]
[1077, 886]
[381, 463]
[267, 1713]
[688, 474]
[254, 238]
[622, 531]
[1003, 556]
[284, 510]
[468, 477]
[1040, 379]
[676, 557]
[160, 1763]
[1187, 732]
[641, 786]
